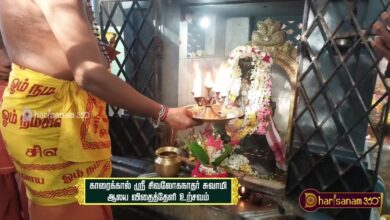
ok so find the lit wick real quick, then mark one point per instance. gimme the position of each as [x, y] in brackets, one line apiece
[244, 192]
[225, 80]
[197, 84]
[208, 102]
[208, 83]
[218, 80]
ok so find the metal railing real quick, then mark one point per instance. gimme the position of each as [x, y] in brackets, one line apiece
[134, 23]
[338, 75]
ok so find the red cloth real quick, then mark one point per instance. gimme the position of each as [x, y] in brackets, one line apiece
[276, 145]
[13, 202]
[6, 166]
[22, 197]
[10, 207]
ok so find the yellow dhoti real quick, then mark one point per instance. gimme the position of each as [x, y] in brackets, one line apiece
[55, 133]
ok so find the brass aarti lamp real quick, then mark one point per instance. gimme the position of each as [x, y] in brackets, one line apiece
[211, 107]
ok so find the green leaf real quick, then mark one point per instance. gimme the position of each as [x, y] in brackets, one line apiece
[199, 152]
[227, 151]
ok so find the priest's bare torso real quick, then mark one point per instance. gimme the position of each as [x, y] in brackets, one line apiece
[30, 41]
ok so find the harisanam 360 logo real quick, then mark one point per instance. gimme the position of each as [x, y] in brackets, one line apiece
[311, 200]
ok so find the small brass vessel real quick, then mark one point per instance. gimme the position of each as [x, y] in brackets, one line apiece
[167, 162]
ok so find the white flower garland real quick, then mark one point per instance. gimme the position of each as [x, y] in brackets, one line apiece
[258, 110]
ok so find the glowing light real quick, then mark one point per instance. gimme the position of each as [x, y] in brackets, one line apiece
[204, 22]
[208, 82]
[197, 84]
[221, 78]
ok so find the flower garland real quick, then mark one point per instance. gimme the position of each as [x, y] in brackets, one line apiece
[258, 112]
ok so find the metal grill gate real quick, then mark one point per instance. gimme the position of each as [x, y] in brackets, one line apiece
[337, 76]
[135, 23]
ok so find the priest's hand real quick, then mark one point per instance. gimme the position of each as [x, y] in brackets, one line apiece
[381, 43]
[180, 118]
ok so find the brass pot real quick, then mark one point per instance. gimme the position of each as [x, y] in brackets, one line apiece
[167, 162]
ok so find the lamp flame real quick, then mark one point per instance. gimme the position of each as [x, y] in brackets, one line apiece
[197, 84]
[208, 82]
